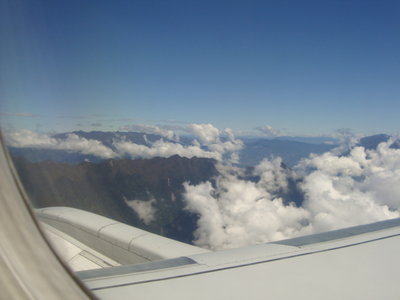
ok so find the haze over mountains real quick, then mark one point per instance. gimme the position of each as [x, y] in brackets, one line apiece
[213, 190]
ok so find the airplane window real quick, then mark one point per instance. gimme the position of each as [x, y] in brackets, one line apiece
[201, 125]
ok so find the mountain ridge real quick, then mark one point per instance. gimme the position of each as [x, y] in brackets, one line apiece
[105, 187]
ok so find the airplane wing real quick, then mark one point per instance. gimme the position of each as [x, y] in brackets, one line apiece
[355, 263]
[81, 237]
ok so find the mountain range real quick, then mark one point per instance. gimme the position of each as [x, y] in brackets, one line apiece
[107, 187]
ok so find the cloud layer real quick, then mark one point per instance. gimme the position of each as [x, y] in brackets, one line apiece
[161, 148]
[339, 191]
[73, 143]
[208, 142]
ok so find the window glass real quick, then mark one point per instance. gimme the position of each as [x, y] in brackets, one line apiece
[219, 124]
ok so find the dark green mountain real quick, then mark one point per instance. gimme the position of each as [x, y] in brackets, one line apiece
[103, 188]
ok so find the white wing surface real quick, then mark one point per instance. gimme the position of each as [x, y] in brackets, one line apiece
[355, 263]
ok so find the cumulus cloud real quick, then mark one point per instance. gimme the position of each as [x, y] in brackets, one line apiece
[221, 142]
[206, 133]
[150, 129]
[268, 130]
[144, 209]
[73, 143]
[339, 191]
[161, 148]
[345, 191]
[347, 140]
[209, 142]
[237, 212]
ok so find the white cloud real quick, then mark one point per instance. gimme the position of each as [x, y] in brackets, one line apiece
[347, 140]
[85, 146]
[27, 138]
[346, 191]
[210, 142]
[339, 191]
[206, 133]
[30, 139]
[150, 129]
[161, 148]
[238, 212]
[145, 209]
[211, 137]
[268, 130]
[273, 177]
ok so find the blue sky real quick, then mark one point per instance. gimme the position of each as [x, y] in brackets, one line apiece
[303, 67]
